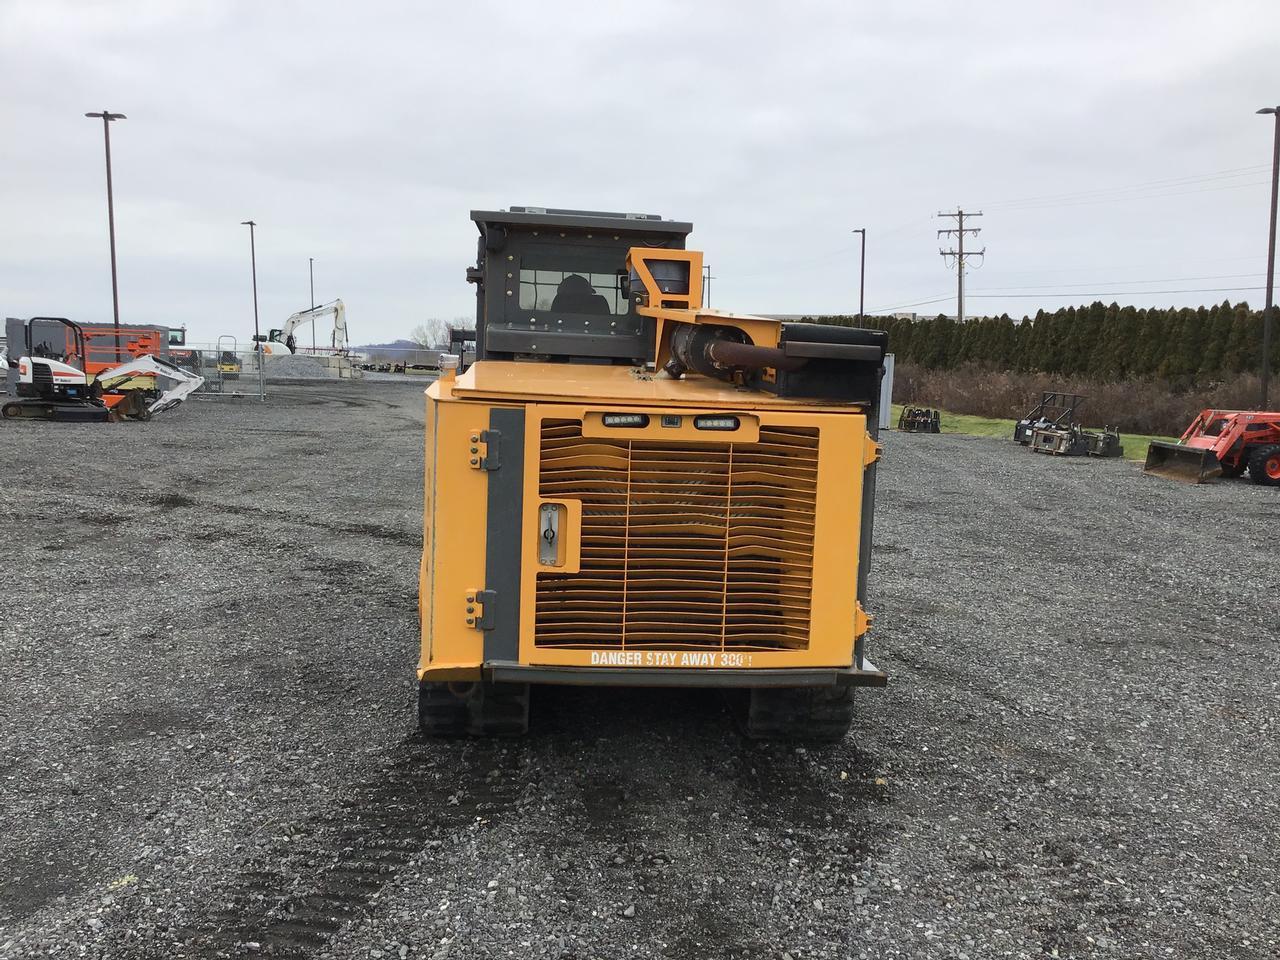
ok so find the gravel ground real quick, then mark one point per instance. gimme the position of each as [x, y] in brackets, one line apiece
[207, 744]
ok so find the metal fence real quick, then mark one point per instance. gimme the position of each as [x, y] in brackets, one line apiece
[235, 369]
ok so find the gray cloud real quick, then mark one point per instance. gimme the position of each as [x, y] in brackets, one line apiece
[361, 135]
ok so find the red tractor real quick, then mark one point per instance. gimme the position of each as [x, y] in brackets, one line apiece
[1221, 443]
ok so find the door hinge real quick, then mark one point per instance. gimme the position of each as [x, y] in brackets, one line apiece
[871, 452]
[486, 450]
[861, 619]
[479, 608]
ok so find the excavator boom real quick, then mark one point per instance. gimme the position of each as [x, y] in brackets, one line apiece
[286, 334]
[185, 382]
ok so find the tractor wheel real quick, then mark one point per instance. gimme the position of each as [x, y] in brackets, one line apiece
[473, 709]
[1264, 466]
[816, 714]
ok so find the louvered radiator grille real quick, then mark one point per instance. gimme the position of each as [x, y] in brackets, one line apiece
[684, 546]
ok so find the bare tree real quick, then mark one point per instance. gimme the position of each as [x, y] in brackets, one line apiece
[433, 332]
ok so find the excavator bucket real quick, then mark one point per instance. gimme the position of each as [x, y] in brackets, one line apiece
[1177, 461]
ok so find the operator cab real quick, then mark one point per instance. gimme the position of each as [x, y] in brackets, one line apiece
[54, 338]
[551, 284]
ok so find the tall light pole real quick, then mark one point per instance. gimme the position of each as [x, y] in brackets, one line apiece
[106, 116]
[257, 343]
[253, 260]
[1271, 258]
[862, 274]
[311, 267]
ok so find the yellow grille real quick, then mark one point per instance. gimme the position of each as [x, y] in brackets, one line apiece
[684, 546]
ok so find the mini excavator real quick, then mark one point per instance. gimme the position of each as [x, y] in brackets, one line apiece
[52, 383]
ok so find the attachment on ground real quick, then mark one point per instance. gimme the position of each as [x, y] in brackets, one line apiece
[920, 420]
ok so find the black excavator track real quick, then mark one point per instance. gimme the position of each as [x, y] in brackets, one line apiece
[473, 709]
[817, 714]
[58, 410]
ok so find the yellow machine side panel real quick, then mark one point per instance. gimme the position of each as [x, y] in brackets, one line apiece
[428, 483]
[453, 560]
[836, 538]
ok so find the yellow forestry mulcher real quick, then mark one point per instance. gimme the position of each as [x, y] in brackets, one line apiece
[628, 489]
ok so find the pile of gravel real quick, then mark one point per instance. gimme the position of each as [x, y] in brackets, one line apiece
[296, 367]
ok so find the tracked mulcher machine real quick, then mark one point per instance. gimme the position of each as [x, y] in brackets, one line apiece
[1050, 427]
[626, 488]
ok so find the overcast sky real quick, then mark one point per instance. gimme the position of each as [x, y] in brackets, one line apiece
[1113, 147]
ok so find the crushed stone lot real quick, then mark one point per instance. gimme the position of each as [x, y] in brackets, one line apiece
[208, 746]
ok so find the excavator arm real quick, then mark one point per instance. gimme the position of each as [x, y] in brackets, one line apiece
[185, 382]
[336, 309]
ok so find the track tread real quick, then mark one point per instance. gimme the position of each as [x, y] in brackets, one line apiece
[475, 709]
[816, 714]
[440, 712]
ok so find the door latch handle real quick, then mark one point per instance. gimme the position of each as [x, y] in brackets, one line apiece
[549, 517]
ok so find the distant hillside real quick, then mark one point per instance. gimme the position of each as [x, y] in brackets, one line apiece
[393, 345]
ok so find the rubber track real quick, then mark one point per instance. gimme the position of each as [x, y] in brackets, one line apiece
[821, 715]
[347, 855]
[489, 710]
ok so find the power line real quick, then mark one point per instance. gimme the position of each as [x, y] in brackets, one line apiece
[1050, 286]
[1166, 183]
[1127, 266]
[1046, 202]
[1119, 199]
[1119, 293]
[903, 306]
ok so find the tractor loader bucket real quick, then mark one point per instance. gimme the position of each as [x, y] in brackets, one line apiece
[1176, 461]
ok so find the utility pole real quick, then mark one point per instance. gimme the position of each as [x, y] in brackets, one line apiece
[257, 344]
[706, 283]
[959, 253]
[1271, 260]
[106, 116]
[311, 266]
[862, 275]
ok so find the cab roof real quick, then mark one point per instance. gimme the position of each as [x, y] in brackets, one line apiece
[648, 223]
